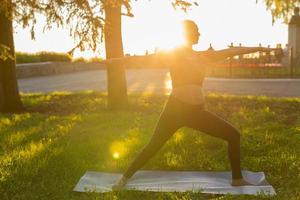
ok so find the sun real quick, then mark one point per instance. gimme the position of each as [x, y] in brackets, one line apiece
[171, 36]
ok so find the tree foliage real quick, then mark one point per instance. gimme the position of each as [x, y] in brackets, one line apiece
[281, 9]
[84, 19]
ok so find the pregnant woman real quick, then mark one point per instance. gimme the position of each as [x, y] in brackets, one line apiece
[185, 105]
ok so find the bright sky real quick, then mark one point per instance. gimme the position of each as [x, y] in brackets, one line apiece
[156, 24]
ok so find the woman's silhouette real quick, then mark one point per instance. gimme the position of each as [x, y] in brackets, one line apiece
[185, 106]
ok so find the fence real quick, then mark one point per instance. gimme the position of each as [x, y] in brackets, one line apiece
[254, 72]
[279, 64]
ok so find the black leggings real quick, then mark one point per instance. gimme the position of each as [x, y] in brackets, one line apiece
[177, 114]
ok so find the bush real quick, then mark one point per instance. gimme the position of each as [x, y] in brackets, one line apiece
[42, 56]
[95, 59]
[87, 60]
[79, 59]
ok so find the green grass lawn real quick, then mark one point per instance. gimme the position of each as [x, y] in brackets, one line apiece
[45, 151]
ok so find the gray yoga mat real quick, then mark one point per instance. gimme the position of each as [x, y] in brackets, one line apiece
[180, 181]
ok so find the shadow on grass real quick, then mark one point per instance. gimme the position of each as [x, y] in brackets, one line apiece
[20, 166]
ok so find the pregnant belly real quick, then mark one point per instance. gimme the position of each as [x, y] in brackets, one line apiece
[192, 94]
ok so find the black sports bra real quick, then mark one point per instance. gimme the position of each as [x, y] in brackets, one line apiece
[184, 71]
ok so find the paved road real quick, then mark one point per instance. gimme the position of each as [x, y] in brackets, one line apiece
[158, 81]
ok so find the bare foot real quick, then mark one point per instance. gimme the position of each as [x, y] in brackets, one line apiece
[120, 184]
[240, 182]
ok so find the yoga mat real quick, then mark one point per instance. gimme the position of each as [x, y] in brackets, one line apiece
[180, 181]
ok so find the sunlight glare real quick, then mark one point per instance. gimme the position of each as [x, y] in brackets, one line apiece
[168, 83]
[171, 37]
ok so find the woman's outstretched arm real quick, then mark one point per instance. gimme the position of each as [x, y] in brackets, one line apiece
[142, 60]
[220, 55]
[129, 59]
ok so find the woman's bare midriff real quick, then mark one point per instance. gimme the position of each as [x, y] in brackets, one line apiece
[191, 93]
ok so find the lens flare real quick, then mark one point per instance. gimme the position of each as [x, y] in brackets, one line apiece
[116, 155]
[168, 83]
[117, 149]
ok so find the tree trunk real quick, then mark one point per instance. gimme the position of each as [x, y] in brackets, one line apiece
[9, 94]
[117, 88]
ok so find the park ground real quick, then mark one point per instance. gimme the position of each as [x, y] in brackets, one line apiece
[46, 149]
[158, 81]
